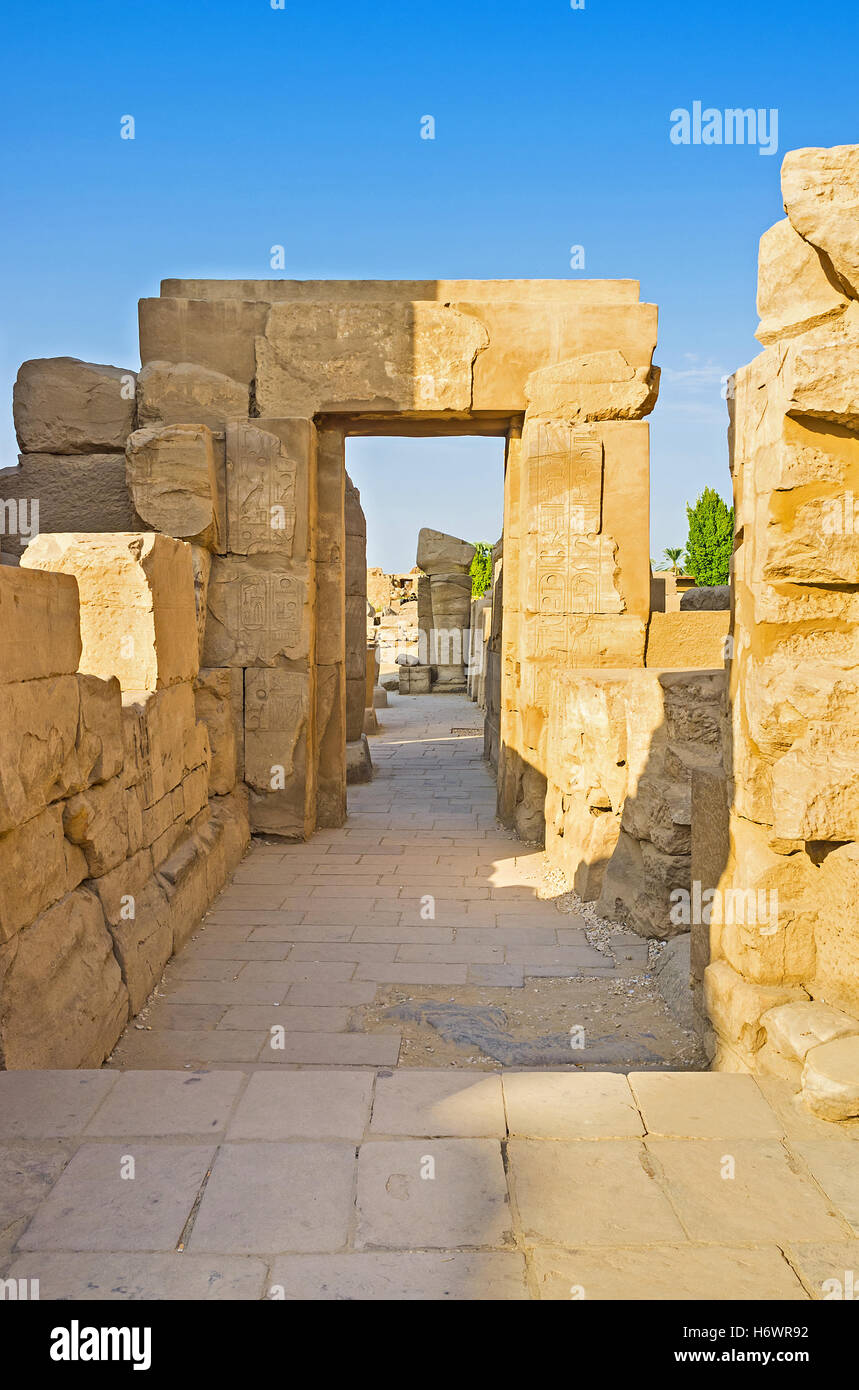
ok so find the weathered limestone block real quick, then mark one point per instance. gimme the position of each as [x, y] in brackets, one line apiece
[439, 553]
[100, 749]
[137, 604]
[218, 334]
[765, 913]
[66, 492]
[600, 385]
[214, 704]
[269, 467]
[62, 1000]
[97, 821]
[820, 374]
[40, 623]
[37, 867]
[736, 1006]
[793, 1029]
[64, 406]
[519, 333]
[687, 641]
[120, 890]
[183, 878]
[618, 804]
[276, 738]
[795, 292]
[143, 943]
[175, 393]
[38, 746]
[820, 188]
[173, 478]
[836, 977]
[395, 356]
[830, 1079]
[162, 740]
[815, 786]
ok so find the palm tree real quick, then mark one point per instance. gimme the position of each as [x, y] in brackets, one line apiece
[673, 556]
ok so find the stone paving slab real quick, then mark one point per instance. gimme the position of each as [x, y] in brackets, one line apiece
[92, 1206]
[375, 1184]
[432, 1276]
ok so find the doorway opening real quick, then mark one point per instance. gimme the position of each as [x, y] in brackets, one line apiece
[431, 511]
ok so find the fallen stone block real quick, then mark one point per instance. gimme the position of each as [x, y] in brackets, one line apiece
[830, 1079]
[794, 1029]
[736, 1006]
[64, 406]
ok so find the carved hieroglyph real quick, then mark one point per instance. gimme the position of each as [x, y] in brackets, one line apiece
[262, 479]
[276, 705]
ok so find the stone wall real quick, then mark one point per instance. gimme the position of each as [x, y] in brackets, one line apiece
[73, 420]
[121, 816]
[622, 749]
[794, 830]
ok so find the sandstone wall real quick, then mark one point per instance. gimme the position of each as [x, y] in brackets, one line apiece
[72, 420]
[120, 812]
[794, 828]
[623, 747]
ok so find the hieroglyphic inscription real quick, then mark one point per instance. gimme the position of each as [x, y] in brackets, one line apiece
[272, 603]
[261, 491]
[276, 705]
[567, 468]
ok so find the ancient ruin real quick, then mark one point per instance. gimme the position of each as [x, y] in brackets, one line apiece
[196, 654]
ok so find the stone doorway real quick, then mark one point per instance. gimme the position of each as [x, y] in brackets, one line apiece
[415, 509]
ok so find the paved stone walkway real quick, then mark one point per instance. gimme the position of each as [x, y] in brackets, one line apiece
[421, 902]
[331, 1184]
[319, 1168]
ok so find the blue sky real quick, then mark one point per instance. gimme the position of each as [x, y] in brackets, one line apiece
[301, 126]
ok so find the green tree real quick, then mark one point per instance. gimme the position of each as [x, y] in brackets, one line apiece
[481, 569]
[711, 539]
[672, 555]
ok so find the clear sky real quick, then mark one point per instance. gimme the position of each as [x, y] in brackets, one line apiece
[300, 126]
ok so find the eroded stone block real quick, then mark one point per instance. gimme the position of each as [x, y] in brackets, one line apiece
[38, 866]
[171, 393]
[40, 622]
[64, 406]
[63, 959]
[173, 478]
[137, 604]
